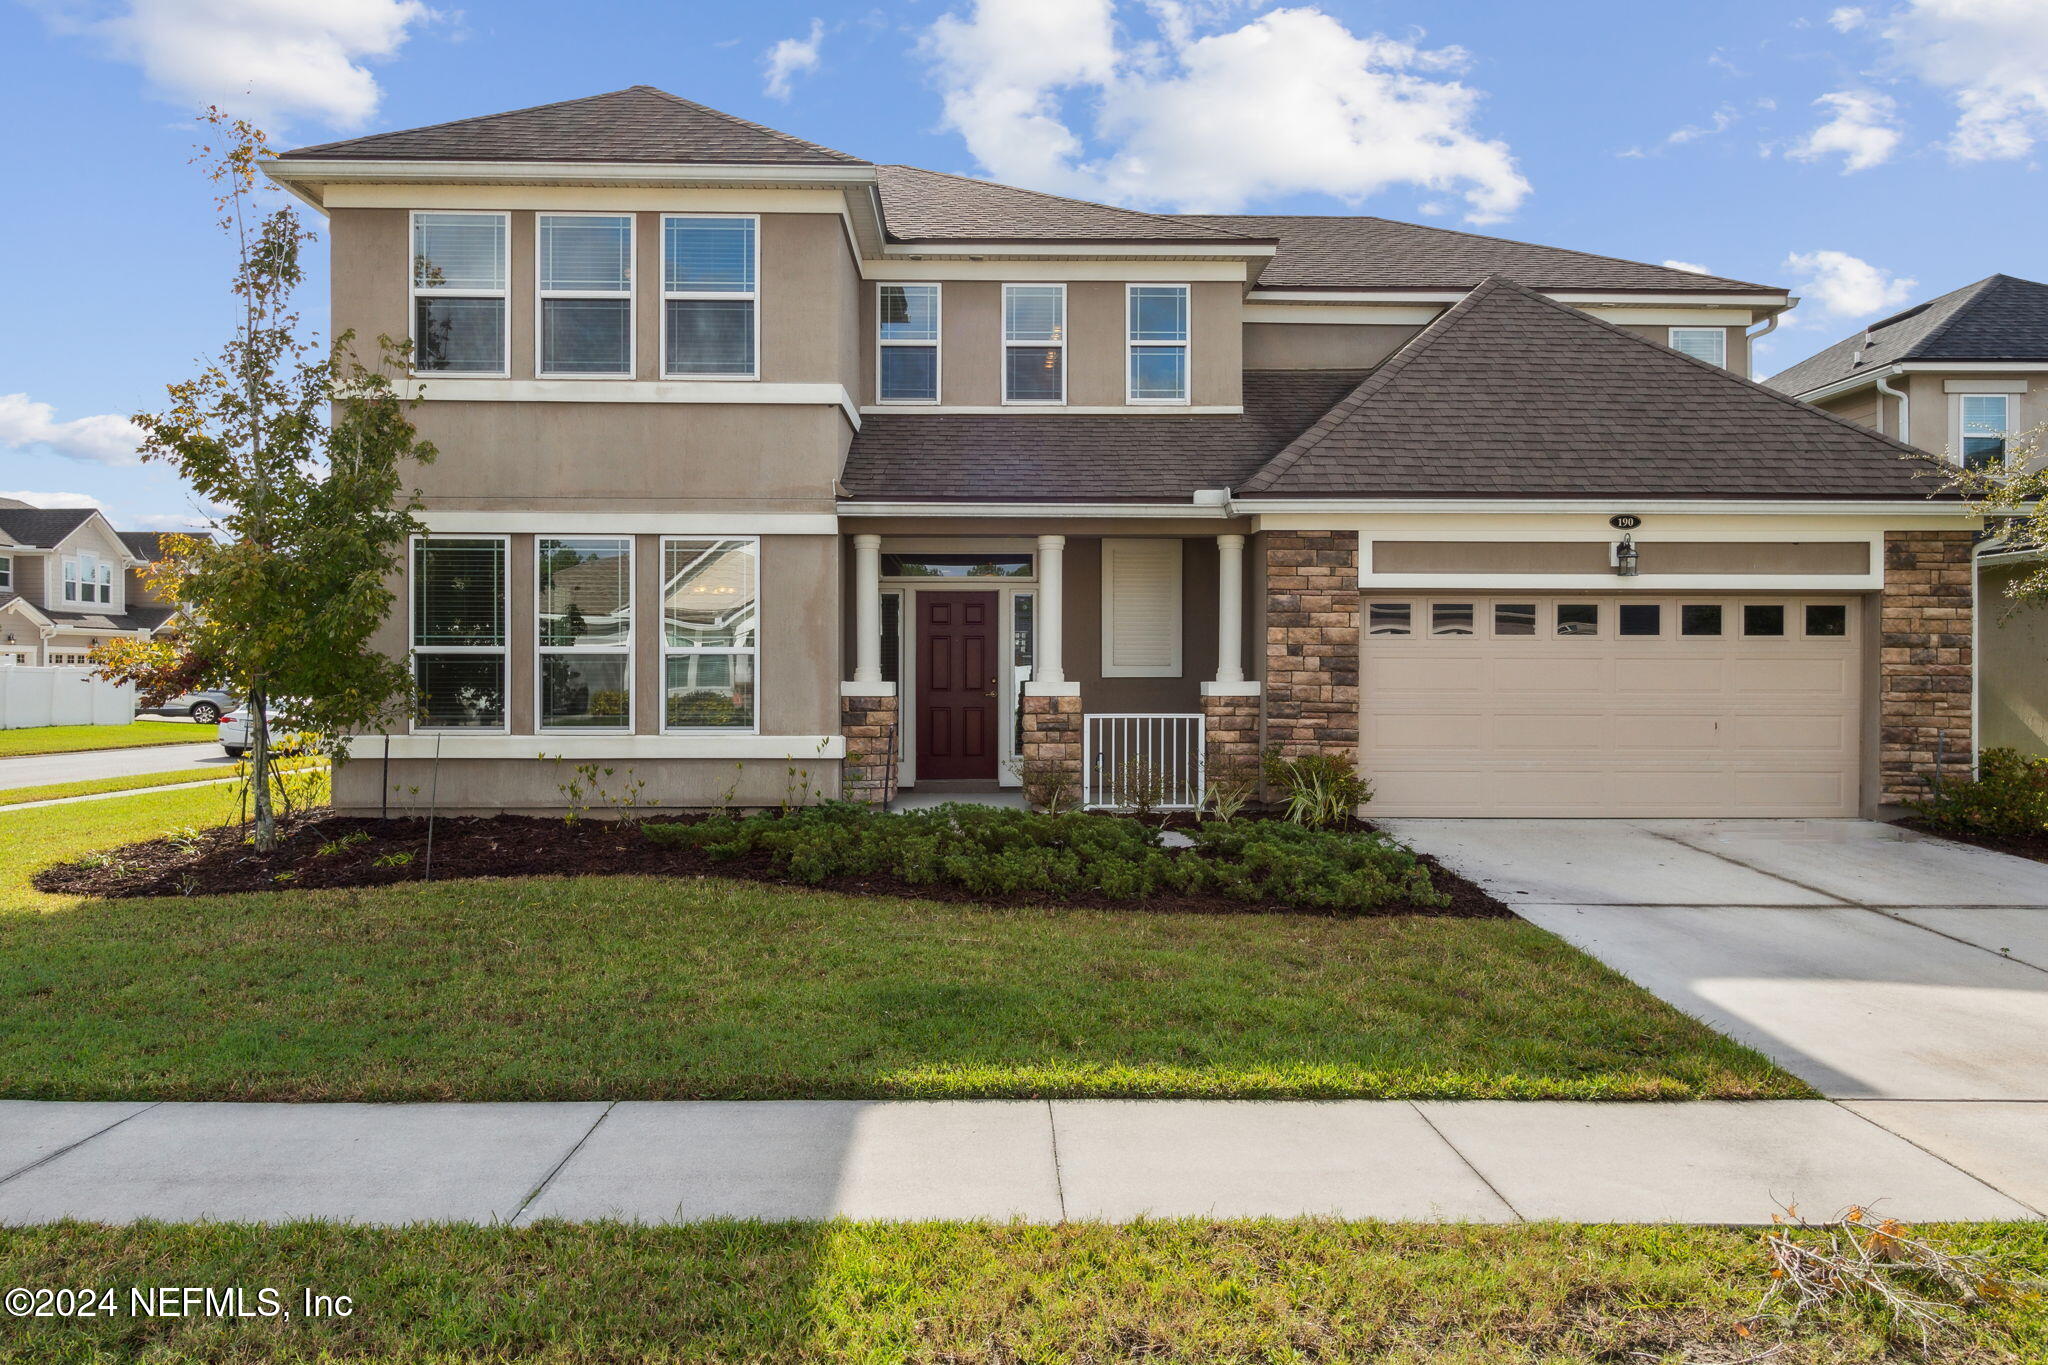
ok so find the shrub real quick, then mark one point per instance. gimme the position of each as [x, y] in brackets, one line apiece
[1323, 790]
[1233, 784]
[1047, 783]
[2009, 797]
[1011, 854]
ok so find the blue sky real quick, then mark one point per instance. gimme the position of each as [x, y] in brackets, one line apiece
[1865, 156]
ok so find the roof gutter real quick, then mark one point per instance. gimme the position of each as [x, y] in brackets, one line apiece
[1603, 507]
[1905, 405]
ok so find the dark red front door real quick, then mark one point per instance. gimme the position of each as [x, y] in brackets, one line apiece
[956, 685]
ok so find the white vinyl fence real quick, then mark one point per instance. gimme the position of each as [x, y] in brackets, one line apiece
[1151, 761]
[62, 696]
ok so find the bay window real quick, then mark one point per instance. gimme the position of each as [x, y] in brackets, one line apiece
[458, 293]
[710, 632]
[585, 265]
[1034, 343]
[458, 632]
[907, 343]
[583, 609]
[1157, 341]
[1984, 430]
[709, 304]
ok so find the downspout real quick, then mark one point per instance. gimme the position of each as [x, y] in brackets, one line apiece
[1749, 340]
[1905, 406]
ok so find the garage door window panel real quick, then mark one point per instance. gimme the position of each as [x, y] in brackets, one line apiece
[1451, 618]
[1763, 620]
[1640, 618]
[1514, 618]
[1700, 618]
[1578, 618]
[1827, 620]
[1390, 618]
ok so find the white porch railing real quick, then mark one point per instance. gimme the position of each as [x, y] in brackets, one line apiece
[1149, 761]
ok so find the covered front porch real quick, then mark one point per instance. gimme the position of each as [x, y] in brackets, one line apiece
[1098, 654]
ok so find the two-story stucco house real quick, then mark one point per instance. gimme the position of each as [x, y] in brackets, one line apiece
[1965, 373]
[69, 580]
[758, 458]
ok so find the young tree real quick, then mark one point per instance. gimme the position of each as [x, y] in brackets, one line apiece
[303, 450]
[2012, 496]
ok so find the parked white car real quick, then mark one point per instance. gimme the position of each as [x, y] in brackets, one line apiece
[233, 731]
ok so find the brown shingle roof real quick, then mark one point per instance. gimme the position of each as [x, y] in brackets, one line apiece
[1510, 394]
[637, 124]
[921, 205]
[42, 527]
[2000, 317]
[1023, 457]
[1378, 253]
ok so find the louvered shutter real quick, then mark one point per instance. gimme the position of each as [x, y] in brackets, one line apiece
[1141, 609]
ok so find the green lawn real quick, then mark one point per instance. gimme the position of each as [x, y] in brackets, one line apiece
[643, 988]
[1171, 1293]
[183, 777]
[71, 739]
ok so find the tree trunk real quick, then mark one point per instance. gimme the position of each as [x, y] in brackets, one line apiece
[259, 771]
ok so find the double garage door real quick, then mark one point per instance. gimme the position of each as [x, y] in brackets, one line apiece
[1615, 705]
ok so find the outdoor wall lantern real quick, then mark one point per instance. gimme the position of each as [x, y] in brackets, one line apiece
[1625, 557]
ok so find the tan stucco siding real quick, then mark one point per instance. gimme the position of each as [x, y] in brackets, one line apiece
[466, 786]
[1738, 341]
[1321, 346]
[1656, 557]
[632, 456]
[971, 344]
[1937, 413]
[2012, 667]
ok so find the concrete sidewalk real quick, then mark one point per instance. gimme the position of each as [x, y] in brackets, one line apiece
[1495, 1162]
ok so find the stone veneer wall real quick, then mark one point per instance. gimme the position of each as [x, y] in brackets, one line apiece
[1312, 641]
[1924, 662]
[1052, 738]
[1230, 734]
[869, 773]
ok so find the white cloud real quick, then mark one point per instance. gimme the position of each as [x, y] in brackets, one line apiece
[101, 439]
[268, 60]
[1863, 130]
[1992, 55]
[37, 499]
[1207, 118]
[789, 57]
[1690, 267]
[1848, 17]
[1846, 286]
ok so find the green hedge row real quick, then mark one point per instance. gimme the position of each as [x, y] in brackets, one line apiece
[991, 851]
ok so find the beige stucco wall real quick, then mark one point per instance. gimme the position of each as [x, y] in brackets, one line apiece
[632, 456]
[1936, 413]
[970, 344]
[1321, 346]
[473, 786]
[1656, 557]
[2012, 646]
[1738, 341]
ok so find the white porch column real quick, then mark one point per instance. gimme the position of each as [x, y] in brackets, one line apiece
[1230, 609]
[1049, 666]
[867, 609]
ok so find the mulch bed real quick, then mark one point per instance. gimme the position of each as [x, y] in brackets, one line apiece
[322, 851]
[2033, 846]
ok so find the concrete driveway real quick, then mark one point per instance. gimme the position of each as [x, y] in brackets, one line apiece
[1874, 963]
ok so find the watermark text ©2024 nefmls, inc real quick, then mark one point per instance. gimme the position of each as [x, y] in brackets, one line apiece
[176, 1301]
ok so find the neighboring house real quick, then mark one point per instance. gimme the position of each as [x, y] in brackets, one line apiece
[69, 580]
[767, 470]
[1965, 373]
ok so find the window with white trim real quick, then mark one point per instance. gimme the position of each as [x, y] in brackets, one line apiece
[1141, 608]
[458, 632]
[709, 302]
[87, 578]
[907, 343]
[1157, 343]
[1702, 343]
[585, 265]
[1984, 417]
[710, 633]
[1034, 343]
[459, 294]
[6, 572]
[583, 630]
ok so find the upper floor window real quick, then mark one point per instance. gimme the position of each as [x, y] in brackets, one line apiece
[1034, 343]
[6, 572]
[907, 343]
[1702, 343]
[458, 293]
[586, 293]
[708, 299]
[1158, 342]
[1984, 429]
[88, 578]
